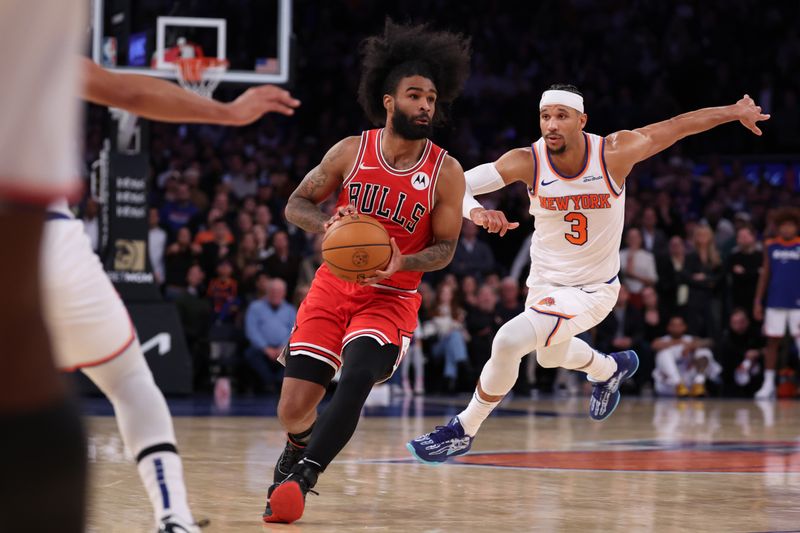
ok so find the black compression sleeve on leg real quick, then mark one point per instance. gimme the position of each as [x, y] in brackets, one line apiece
[365, 363]
[43, 465]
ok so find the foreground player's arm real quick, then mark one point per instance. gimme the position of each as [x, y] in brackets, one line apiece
[157, 99]
[302, 209]
[515, 165]
[445, 224]
[761, 287]
[627, 147]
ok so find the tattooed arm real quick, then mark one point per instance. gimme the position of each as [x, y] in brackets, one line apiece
[446, 221]
[302, 209]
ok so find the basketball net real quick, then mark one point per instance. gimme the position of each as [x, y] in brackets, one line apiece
[200, 75]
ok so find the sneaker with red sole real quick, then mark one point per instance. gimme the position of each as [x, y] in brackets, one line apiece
[287, 500]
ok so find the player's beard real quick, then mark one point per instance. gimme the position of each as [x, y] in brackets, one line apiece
[558, 151]
[404, 126]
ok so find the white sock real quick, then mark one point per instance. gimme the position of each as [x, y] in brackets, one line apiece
[769, 378]
[598, 366]
[476, 412]
[162, 475]
[144, 421]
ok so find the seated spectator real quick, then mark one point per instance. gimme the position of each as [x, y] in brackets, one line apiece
[683, 362]
[156, 245]
[472, 257]
[637, 266]
[653, 316]
[740, 354]
[703, 274]
[178, 258]
[282, 263]
[223, 291]
[244, 224]
[205, 231]
[179, 212]
[469, 291]
[264, 219]
[221, 247]
[511, 303]
[622, 330]
[482, 322]
[310, 263]
[195, 312]
[743, 268]
[246, 252]
[224, 336]
[446, 328]
[673, 291]
[268, 324]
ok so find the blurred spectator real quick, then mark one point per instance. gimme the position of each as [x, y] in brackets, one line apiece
[310, 263]
[482, 322]
[473, 257]
[283, 263]
[221, 247]
[703, 274]
[223, 293]
[742, 269]
[637, 266]
[683, 362]
[653, 316]
[264, 219]
[779, 292]
[446, 328]
[177, 213]
[511, 303]
[469, 291]
[91, 222]
[673, 291]
[205, 232]
[195, 312]
[268, 324]
[740, 354]
[196, 195]
[156, 245]
[246, 252]
[180, 255]
[244, 224]
[653, 238]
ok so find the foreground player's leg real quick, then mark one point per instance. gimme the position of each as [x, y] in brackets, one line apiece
[365, 363]
[42, 449]
[146, 428]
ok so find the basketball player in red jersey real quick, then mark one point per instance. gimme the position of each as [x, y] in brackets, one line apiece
[398, 176]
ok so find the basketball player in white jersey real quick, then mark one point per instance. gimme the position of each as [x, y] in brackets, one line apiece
[576, 184]
[89, 325]
[42, 446]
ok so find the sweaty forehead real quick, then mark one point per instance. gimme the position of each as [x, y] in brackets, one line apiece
[556, 108]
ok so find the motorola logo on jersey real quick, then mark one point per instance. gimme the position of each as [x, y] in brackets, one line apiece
[420, 181]
[384, 202]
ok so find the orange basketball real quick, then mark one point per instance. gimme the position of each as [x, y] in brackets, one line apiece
[355, 247]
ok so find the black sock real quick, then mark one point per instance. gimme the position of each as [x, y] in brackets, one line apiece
[365, 363]
[43, 465]
[301, 439]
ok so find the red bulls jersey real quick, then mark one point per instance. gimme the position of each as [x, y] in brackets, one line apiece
[402, 200]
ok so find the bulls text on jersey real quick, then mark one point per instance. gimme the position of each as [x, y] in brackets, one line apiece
[381, 201]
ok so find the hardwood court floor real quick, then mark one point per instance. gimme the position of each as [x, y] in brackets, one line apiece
[539, 466]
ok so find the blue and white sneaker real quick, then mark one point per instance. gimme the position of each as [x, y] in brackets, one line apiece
[441, 444]
[605, 394]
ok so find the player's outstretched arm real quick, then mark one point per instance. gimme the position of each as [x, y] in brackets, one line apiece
[161, 100]
[302, 209]
[514, 165]
[626, 148]
[445, 224]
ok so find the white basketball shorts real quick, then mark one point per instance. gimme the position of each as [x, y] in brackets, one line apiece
[558, 313]
[87, 320]
[40, 76]
[776, 320]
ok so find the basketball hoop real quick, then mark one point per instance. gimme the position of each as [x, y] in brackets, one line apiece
[200, 75]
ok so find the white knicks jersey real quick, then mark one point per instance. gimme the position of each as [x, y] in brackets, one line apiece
[578, 220]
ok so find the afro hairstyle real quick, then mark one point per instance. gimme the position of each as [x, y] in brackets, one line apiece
[412, 50]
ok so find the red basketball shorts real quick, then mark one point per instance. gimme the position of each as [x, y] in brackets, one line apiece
[336, 312]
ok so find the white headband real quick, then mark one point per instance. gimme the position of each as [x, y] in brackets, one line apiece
[558, 97]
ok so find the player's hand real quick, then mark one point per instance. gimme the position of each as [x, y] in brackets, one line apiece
[749, 113]
[341, 212]
[256, 102]
[492, 221]
[394, 265]
[758, 311]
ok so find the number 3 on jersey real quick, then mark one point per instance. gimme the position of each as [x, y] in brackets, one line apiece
[578, 230]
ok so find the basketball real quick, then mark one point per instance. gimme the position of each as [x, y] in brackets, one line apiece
[355, 247]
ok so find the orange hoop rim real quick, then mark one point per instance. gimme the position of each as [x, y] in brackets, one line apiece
[192, 69]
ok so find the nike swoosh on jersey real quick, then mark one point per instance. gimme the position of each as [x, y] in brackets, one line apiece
[362, 166]
[546, 183]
